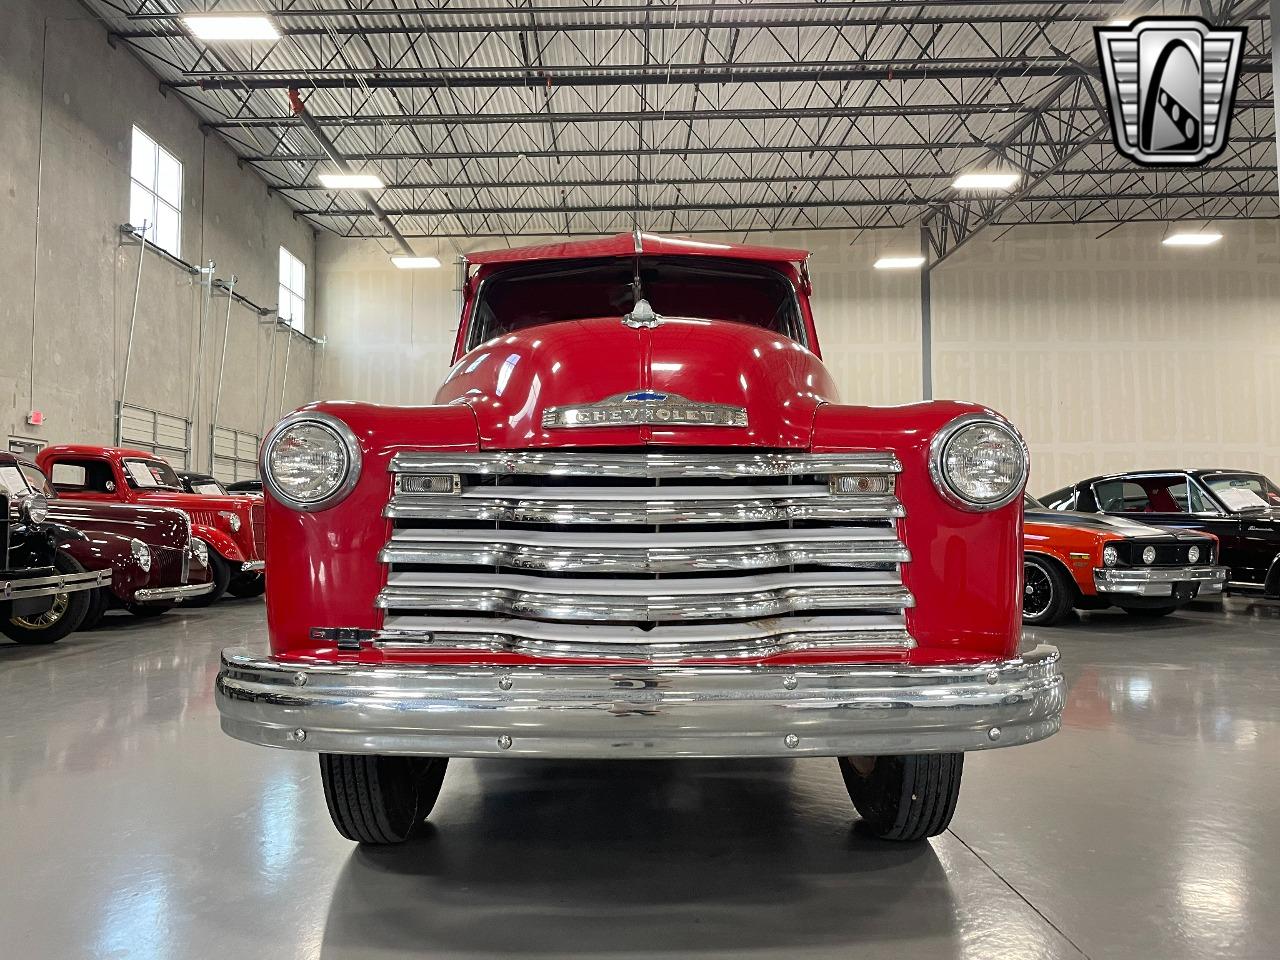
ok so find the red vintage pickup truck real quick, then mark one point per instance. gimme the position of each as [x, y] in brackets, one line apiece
[638, 522]
[231, 529]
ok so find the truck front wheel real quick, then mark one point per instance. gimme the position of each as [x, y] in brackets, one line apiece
[376, 799]
[904, 797]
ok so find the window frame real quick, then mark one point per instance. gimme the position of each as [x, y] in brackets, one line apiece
[286, 290]
[154, 195]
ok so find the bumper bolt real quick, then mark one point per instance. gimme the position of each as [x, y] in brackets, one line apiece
[504, 683]
[299, 679]
[504, 742]
[789, 682]
[791, 740]
[993, 677]
[993, 734]
[298, 735]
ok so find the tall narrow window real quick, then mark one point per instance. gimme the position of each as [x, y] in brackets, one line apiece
[293, 291]
[155, 192]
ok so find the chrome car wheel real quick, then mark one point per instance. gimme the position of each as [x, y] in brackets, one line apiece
[1037, 595]
[47, 619]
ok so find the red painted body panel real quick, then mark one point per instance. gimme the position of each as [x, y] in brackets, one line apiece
[1079, 550]
[205, 513]
[624, 245]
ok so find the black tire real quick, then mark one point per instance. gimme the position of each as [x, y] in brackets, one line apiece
[99, 604]
[1048, 593]
[220, 574]
[904, 797]
[1149, 613]
[149, 611]
[247, 585]
[65, 616]
[374, 799]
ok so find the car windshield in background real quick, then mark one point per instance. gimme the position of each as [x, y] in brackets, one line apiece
[1242, 492]
[38, 481]
[1031, 503]
[209, 488]
[152, 475]
[708, 289]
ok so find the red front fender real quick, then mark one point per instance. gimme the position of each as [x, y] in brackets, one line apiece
[220, 542]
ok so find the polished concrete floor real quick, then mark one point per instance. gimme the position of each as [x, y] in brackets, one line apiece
[130, 827]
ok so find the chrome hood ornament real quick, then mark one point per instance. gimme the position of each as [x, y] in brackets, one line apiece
[645, 408]
[642, 316]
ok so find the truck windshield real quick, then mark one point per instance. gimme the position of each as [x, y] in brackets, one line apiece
[707, 288]
[151, 475]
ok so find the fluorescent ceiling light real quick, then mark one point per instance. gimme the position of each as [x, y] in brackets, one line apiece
[223, 26]
[1192, 239]
[899, 263]
[352, 181]
[986, 181]
[416, 263]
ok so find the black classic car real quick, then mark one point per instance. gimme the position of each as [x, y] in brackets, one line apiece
[1241, 507]
[44, 591]
[203, 483]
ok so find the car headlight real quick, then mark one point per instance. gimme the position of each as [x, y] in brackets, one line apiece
[35, 508]
[1148, 554]
[1109, 556]
[142, 554]
[200, 550]
[978, 462]
[233, 521]
[1193, 555]
[310, 461]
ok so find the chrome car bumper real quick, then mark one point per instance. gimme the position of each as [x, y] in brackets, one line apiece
[253, 566]
[639, 711]
[184, 592]
[20, 588]
[1158, 581]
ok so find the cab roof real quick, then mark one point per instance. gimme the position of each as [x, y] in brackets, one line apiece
[630, 244]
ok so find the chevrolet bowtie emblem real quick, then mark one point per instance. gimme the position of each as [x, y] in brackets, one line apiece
[645, 408]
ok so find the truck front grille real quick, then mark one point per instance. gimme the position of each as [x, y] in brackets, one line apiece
[650, 556]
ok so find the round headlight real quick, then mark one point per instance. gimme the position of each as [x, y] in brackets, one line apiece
[310, 461]
[1109, 556]
[1193, 555]
[200, 550]
[142, 554]
[978, 463]
[35, 509]
[1148, 554]
[233, 521]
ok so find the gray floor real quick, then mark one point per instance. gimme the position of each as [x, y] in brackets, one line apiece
[1149, 828]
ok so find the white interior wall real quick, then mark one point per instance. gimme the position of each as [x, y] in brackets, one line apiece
[1109, 353]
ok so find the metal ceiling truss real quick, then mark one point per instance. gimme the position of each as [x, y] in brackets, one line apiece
[547, 117]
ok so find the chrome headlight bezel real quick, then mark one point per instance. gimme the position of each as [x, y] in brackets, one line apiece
[347, 443]
[35, 509]
[937, 456]
[200, 551]
[1110, 556]
[233, 520]
[1193, 554]
[1148, 555]
[141, 554]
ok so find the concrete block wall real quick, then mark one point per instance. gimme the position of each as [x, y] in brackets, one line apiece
[68, 102]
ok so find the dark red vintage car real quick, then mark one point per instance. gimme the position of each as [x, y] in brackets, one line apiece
[231, 528]
[154, 560]
[638, 522]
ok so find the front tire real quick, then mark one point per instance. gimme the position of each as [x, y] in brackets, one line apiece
[63, 617]
[1048, 594]
[907, 797]
[248, 585]
[220, 574]
[383, 800]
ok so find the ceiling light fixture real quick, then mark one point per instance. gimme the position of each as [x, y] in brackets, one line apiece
[1186, 239]
[352, 181]
[225, 26]
[416, 263]
[986, 181]
[899, 263]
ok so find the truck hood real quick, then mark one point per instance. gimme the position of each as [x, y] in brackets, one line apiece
[1102, 523]
[509, 382]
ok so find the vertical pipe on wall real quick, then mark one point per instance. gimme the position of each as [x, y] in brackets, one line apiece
[266, 387]
[926, 318]
[133, 321]
[222, 366]
[284, 381]
[206, 275]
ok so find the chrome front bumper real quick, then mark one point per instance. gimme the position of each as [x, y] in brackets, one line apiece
[161, 594]
[640, 711]
[1158, 581]
[253, 566]
[29, 588]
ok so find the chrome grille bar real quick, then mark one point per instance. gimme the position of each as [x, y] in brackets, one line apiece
[724, 466]
[673, 552]
[664, 643]
[701, 598]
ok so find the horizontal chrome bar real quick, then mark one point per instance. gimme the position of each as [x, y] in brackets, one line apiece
[639, 553]
[639, 711]
[664, 643]
[702, 598]
[1158, 581]
[253, 566]
[26, 588]
[762, 503]
[586, 463]
[184, 592]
